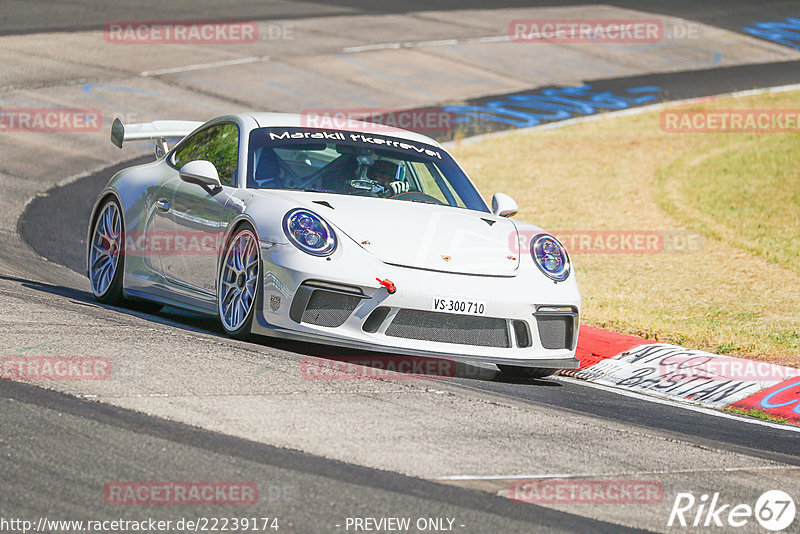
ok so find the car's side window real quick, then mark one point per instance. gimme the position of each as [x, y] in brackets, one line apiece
[218, 144]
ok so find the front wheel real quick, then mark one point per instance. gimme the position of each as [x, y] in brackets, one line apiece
[516, 372]
[238, 283]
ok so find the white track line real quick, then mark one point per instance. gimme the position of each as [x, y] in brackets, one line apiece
[419, 44]
[627, 474]
[203, 66]
[368, 48]
[348, 50]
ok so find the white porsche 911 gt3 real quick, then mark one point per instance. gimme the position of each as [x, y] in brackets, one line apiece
[346, 236]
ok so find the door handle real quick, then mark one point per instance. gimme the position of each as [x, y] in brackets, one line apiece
[162, 205]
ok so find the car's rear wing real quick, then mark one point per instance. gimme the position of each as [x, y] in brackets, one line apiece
[158, 131]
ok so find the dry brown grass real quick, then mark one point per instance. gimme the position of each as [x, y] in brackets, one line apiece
[625, 173]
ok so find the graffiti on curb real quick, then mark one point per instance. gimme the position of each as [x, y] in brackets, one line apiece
[781, 400]
[659, 369]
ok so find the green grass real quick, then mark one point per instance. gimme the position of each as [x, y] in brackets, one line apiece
[758, 414]
[746, 193]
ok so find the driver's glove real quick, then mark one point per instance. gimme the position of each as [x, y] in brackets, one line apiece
[398, 187]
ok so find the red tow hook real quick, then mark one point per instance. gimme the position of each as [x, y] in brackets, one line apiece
[388, 284]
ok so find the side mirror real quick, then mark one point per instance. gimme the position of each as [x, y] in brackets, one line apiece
[117, 133]
[503, 205]
[201, 172]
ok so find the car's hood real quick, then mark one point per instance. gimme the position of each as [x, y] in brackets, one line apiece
[414, 234]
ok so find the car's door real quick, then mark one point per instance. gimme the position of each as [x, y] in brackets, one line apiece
[199, 216]
[144, 225]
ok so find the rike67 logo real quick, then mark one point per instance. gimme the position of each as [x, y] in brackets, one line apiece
[774, 510]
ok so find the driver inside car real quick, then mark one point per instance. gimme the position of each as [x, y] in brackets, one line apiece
[389, 175]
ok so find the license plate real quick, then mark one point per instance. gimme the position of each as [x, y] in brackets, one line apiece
[461, 306]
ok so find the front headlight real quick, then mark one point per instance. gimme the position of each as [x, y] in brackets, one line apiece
[550, 256]
[309, 232]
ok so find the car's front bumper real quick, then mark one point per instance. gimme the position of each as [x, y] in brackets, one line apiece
[523, 298]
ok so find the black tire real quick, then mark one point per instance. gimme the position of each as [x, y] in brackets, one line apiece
[112, 294]
[517, 373]
[235, 327]
[107, 231]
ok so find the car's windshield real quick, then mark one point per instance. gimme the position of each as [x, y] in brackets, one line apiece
[362, 164]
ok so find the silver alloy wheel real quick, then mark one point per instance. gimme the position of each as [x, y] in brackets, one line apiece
[106, 249]
[238, 280]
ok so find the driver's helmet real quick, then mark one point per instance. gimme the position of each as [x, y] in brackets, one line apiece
[384, 172]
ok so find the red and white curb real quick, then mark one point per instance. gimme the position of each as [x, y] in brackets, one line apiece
[689, 376]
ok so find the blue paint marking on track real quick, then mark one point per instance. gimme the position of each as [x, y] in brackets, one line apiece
[551, 105]
[786, 33]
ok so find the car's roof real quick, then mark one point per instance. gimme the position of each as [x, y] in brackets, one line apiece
[295, 120]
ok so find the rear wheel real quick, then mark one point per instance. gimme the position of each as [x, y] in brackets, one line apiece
[516, 372]
[107, 260]
[238, 283]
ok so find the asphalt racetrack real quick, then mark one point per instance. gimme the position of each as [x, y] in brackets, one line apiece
[185, 403]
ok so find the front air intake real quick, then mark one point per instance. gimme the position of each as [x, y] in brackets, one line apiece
[450, 328]
[326, 308]
[323, 303]
[556, 328]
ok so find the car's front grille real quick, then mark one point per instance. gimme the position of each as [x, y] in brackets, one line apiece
[555, 331]
[329, 308]
[449, 328]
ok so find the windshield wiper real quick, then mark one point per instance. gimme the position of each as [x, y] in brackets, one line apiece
[418, 201]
